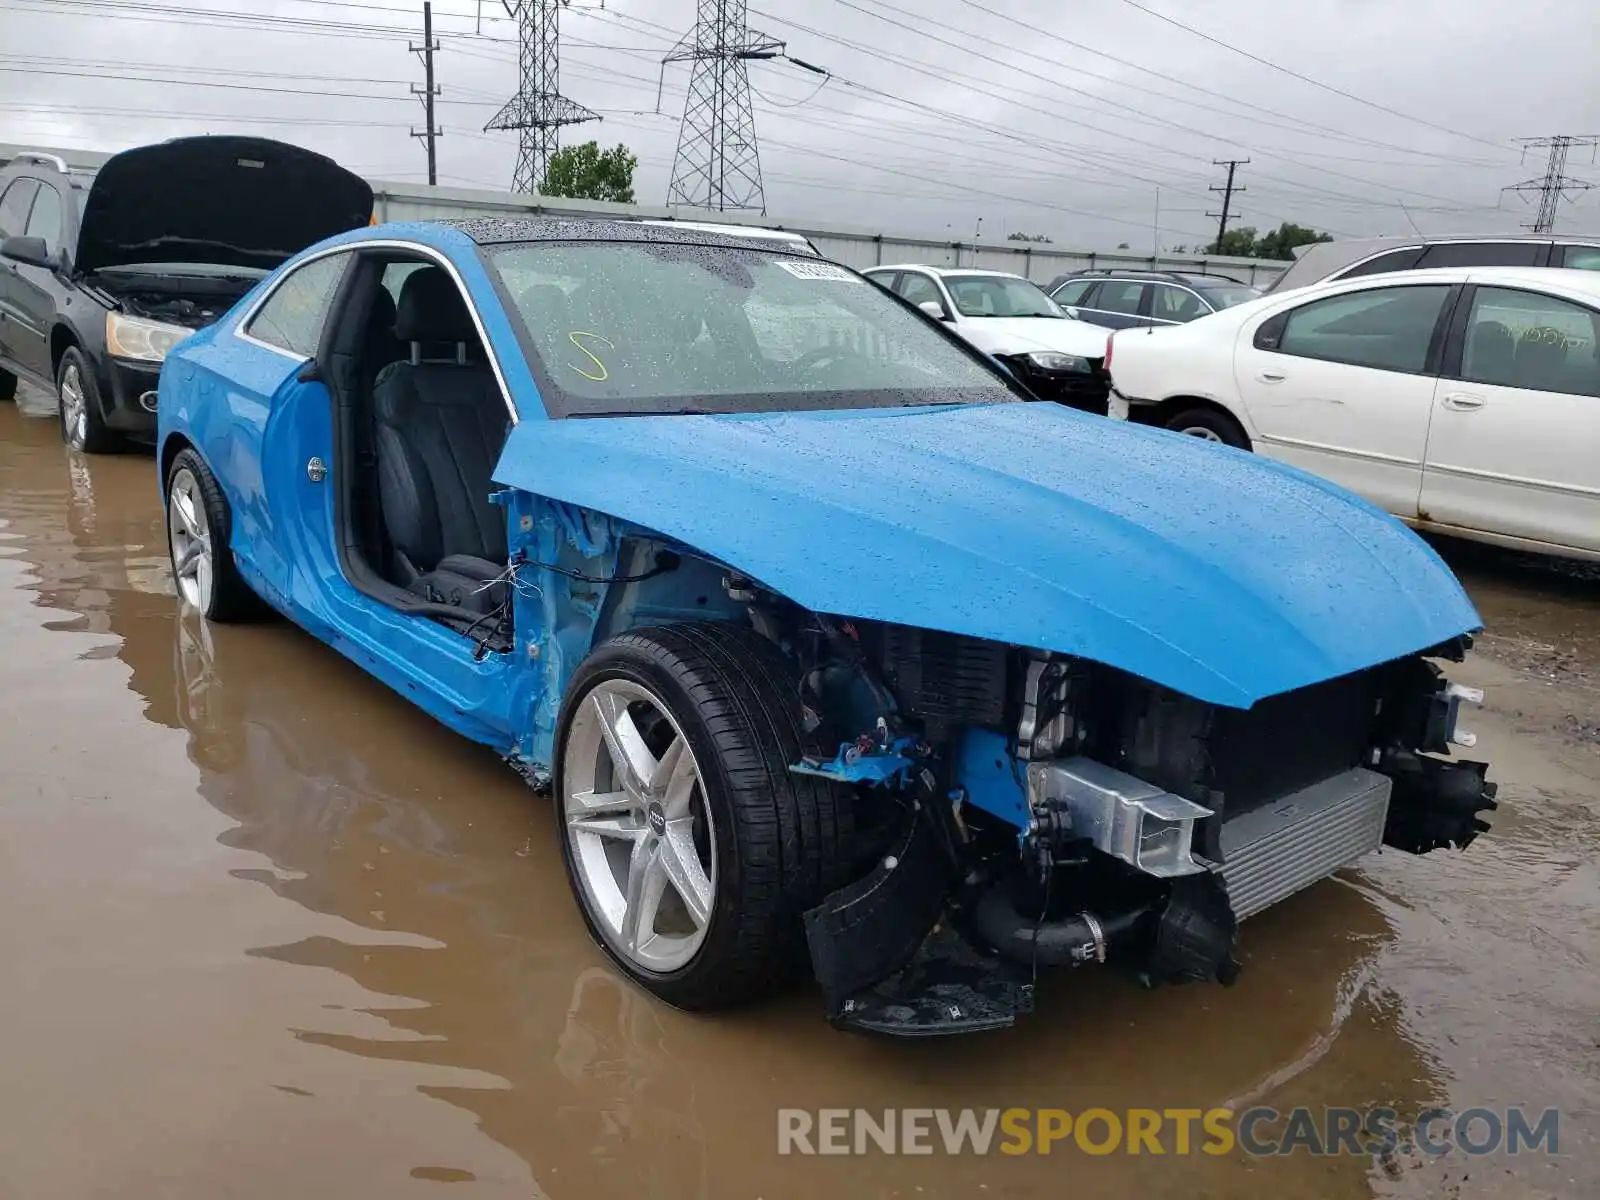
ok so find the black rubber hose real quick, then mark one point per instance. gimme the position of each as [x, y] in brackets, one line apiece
[1071, 941]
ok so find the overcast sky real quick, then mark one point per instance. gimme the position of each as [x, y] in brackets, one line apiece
[939, 113]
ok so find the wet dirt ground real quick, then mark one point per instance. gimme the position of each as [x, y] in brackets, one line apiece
[267, 931]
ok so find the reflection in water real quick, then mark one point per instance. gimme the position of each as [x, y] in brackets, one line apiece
[428, 996]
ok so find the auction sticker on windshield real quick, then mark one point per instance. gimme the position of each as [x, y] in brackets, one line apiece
[815, 270]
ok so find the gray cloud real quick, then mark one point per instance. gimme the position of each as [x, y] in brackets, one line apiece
[1051, 139]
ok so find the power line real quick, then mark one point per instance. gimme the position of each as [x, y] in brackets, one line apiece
[986, 88]
[1554, 185]
[1205, 91]
[1228, 191]
[1327, 87]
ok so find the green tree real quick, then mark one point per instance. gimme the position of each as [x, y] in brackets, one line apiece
[1019, 236]
[1277, 243]
[588, 173]
[1280, 243]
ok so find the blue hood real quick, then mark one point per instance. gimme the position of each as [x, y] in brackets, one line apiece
[1215, 572]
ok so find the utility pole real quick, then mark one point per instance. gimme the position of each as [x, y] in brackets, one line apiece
[538, 110]
[718, 164]
[1553, 187]
[429, 90]
[1228, 192]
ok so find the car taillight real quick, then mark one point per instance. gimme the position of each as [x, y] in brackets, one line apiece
[1110, 339]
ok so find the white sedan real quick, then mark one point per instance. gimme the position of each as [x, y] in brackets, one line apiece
[1462, 401]
[1010, 318]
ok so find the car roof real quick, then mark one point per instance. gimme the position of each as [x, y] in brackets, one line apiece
[942, 271]
[1194, 278]
[1319, 260]
[1584, 285]
[742, 231]
[501, 231]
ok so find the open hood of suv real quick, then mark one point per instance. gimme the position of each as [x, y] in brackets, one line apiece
[229, 201]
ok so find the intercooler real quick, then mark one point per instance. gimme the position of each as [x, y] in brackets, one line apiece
[1268, 852]
[1275, 850]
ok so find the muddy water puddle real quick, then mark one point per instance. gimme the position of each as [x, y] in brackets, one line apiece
[268, 930]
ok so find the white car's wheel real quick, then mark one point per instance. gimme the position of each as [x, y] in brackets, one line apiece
[1211, 425]
[691, 847]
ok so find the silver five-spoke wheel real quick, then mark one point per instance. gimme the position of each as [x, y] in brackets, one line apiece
[192, 555]
[74, 406]
[1201, 432]
[640, 832]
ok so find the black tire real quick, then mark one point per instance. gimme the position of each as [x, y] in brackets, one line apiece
[229, 599]
[8, 386]
[88, 433]
[1211, 424]
[783, 841]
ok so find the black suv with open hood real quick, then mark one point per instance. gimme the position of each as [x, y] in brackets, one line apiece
[99, 279]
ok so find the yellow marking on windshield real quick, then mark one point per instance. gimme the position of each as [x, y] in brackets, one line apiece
[601, 338]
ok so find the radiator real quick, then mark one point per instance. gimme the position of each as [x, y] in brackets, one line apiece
[1275, 850]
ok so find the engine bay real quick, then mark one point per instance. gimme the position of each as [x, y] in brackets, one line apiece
[1037, 810]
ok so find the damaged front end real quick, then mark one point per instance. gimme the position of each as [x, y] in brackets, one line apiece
[1039, 811]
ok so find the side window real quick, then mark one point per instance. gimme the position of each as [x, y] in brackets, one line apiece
[396, 274]
[1382, 264]
[1120, 296]
[1527, 340]
[1579, 258]
[293, 318]
[1483, 254]
[45, 220]
[919, 288]
[1388, 328]
[1072, 292]
[1175, 304]
[14, 207]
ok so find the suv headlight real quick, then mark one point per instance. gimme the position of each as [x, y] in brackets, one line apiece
[1050, 360]
[146, 341]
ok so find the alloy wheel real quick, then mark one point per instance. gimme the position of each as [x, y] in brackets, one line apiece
[193, 566]
[639, 828]
[74, 407]
[1201, 432]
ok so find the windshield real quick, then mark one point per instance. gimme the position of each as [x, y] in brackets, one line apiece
[1227, 296]
[999, 296]
[615, 328]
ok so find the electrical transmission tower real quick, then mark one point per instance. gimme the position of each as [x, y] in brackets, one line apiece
[1228, 193]
[538, 110]
[718, 164]
[1555, 185]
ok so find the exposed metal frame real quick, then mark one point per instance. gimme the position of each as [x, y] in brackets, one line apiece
[241, 326]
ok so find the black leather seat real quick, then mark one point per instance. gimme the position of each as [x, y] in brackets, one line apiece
[441, 423]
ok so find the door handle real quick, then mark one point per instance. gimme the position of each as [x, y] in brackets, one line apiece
[1463, 401]
[1271, 377]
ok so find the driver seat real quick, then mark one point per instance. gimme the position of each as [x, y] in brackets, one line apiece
[441, 423]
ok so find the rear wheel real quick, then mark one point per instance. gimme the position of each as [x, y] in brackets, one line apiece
[8, 386]
[83, 424]
[1211, 425]
[692, 848]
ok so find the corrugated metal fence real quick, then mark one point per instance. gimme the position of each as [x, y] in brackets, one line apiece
[859, 248]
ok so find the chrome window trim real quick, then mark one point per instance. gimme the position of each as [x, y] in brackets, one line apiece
[240, 326]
